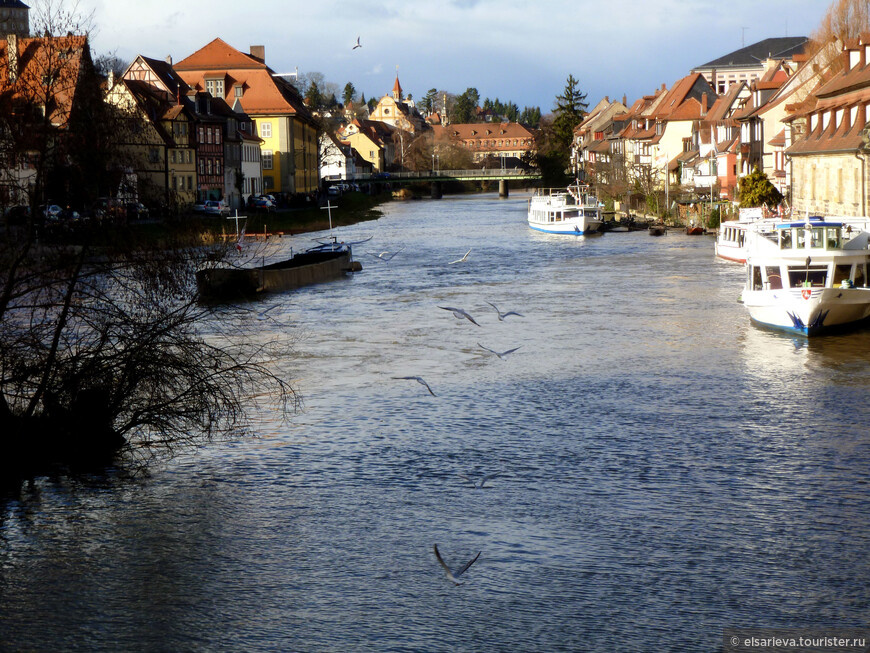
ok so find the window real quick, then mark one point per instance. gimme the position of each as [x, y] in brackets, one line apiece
[217, 166]
[190, 182]
[208, 166]
[208, 135]
[153, 155]
[267, 159]
[215, 87]
[217, 136]
[237, 91]
[172, 156]
[266, 130]
[268, 182]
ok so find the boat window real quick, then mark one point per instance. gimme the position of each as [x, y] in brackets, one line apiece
[815, 275]
[860, 275]
[817, 240]
[785, 239]
[842, 273]
[590, 213]
[774, 279]
[756, 278]
[834, 237]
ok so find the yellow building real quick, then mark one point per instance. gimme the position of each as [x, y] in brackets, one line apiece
[289, 132]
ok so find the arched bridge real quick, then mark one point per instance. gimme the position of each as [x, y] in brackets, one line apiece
[502, 175]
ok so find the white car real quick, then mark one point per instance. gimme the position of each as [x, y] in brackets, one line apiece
[217, 207]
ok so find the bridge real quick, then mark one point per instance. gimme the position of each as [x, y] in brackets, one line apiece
[436, 177]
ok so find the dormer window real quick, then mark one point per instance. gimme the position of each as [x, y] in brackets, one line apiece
[238, 91]
[215, 87]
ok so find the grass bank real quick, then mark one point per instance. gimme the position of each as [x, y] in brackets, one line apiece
[348, 209]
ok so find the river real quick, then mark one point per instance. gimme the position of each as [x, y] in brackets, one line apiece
[666, 469]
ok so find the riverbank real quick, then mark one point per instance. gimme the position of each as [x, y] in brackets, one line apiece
[347, 209]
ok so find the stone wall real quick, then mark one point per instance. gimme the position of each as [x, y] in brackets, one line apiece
[829, 185]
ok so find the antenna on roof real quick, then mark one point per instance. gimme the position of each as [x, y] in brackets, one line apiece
[743, 36]
[295, 74]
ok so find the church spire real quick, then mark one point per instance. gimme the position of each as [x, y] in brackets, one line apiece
[397, 88]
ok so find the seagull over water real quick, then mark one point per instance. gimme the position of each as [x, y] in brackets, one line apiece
[461, 260]
[458, 313]
[452, 574]
[262, 315]
[499, 354]
[418, 379]
[502, 316]
[479, 486]
[358, 44]
[385, 256]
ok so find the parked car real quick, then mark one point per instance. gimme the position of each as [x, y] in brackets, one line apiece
[108, 208]
[264, 204]
[216, 207]
[51, 212]
[137, 211]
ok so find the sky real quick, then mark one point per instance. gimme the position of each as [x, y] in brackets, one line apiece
[514, 50]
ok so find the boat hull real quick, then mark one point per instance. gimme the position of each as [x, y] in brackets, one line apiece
[301, 270]
[575, 229]
[808, 312]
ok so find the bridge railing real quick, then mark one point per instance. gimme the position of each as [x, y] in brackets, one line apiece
[500, 173]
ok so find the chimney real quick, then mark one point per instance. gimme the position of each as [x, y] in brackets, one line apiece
[110, 82]
[169, 59]
[12, 50]
[259, 52]
[704, 104]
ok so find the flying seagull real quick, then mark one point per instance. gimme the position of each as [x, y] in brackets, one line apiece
[479, 486]
[461, 260]
[385, 256]
[418, 380]
[262, 315]
[499, 354]
[451, 574]
[458, 313]
[358, 44]
[502, 316]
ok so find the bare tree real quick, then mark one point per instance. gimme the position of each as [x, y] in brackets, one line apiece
[103, 345]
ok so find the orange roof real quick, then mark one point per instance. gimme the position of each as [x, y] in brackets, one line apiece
[263, 93]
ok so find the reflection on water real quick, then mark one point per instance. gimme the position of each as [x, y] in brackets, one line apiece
[667, 469]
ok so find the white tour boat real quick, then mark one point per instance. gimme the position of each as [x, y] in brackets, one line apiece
[731, 237]
[573, 211]
[807, 277]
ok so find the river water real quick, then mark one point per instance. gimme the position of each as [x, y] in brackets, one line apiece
[666, 469]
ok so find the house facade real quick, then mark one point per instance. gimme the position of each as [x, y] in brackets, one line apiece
[49, 137]
[289, 133]
[14, 18]
[831, 140]
[158, 143]
[506, 140]
[750, 62]
[373, 141]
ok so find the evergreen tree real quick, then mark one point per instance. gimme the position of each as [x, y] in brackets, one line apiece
[756, 190]
[465, 107]
[349, 92]
[569, 112]
[313, 95]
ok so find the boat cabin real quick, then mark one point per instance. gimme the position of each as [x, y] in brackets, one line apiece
[811, 255]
